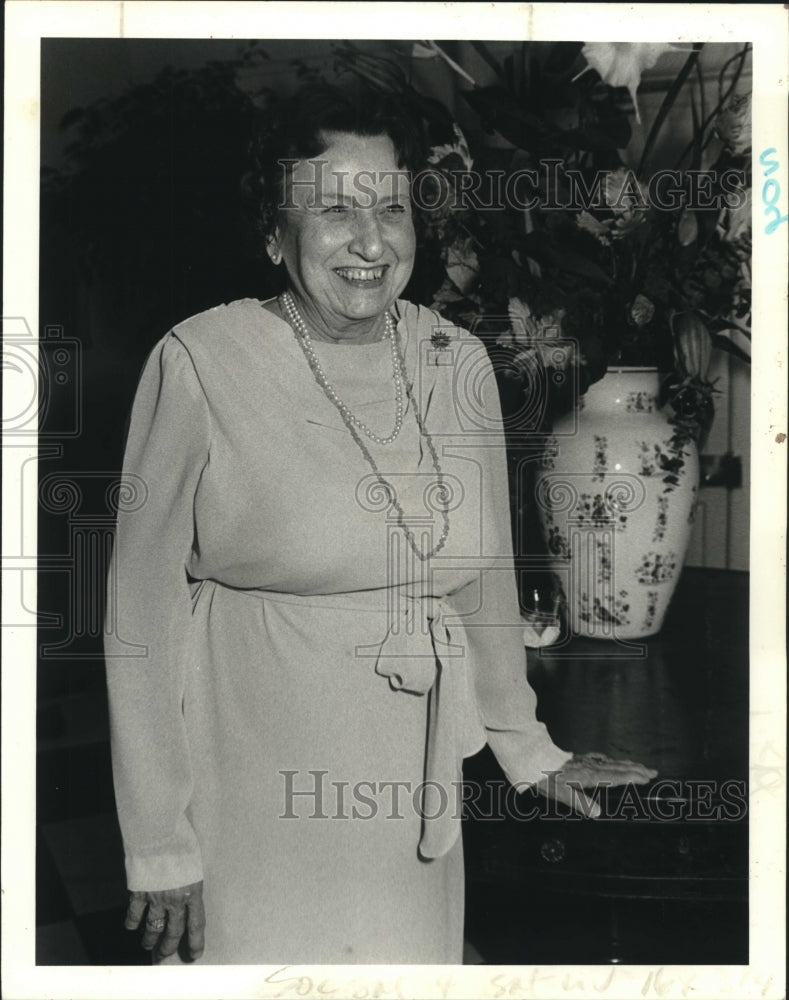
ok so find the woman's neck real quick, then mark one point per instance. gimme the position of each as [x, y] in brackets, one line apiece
[365, 331]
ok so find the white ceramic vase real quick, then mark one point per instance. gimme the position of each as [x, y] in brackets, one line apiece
[616, 492]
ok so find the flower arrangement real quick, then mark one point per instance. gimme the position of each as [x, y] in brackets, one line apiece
[547, 232]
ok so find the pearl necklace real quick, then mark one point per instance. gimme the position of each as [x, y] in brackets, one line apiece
[352, 422]
[300, 328]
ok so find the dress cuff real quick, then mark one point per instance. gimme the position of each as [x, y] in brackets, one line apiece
[525, 758]
[167, 865]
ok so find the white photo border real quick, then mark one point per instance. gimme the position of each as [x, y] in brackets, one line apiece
[765, 25]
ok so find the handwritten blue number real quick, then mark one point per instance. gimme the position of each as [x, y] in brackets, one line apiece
[771, 192]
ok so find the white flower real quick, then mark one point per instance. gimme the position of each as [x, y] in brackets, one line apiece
[628, 200]
[540, 333]
[459, 148]
[523, 325]
[620, 64]
[642, 310]
[733, 123]
[624, 193]
[594, 226]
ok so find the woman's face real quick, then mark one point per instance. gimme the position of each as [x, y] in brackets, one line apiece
[346, 235]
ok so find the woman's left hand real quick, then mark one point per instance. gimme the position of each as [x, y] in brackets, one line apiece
[591, 770]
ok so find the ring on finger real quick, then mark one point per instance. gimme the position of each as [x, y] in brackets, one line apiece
[156, 924]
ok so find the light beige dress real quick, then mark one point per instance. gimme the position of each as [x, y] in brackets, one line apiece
[292, 690]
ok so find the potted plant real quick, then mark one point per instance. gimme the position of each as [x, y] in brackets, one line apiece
[578, 266]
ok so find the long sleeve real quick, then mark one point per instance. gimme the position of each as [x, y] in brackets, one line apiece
[506, 702]
[148, 621]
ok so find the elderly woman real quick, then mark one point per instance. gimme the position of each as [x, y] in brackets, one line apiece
[315, 607]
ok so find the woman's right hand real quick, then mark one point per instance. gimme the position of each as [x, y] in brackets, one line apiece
[170, 913]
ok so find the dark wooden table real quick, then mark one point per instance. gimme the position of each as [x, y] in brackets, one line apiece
[661, 877]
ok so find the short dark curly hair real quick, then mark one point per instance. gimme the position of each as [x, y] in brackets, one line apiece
[294, 129]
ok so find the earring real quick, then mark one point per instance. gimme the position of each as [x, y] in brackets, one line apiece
[274, 255]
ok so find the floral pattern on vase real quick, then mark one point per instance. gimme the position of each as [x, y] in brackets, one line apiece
[640, 402]
[593, 510]
[557, 543]
[662, 520]
[548, 457]
[693, 506]
[616, 504]
[652, 601]
[600, 457]
[664, 460]
[604, 564]
[657, 567]
[596, 612]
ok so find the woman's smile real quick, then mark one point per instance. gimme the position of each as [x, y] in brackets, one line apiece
[361, 277]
